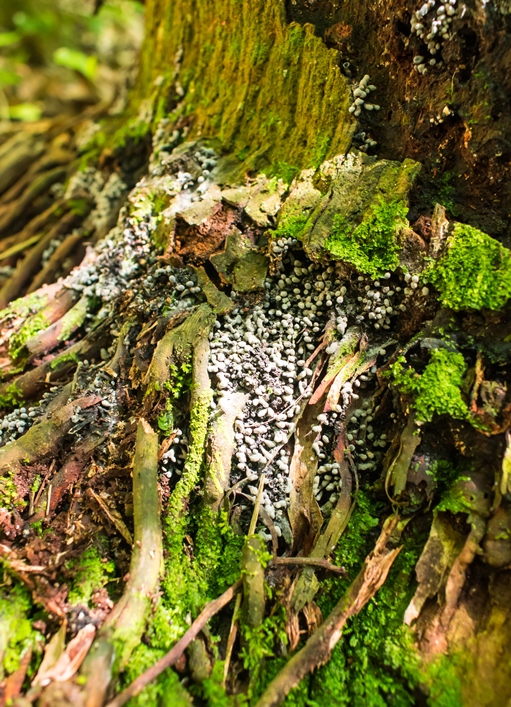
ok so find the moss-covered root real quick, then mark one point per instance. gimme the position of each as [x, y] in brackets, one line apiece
[124, 626]
[221, 447]
[44, 439]
[318, 648]
[177, 345]
[200, 399]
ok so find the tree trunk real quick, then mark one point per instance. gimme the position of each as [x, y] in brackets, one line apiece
[258, 329]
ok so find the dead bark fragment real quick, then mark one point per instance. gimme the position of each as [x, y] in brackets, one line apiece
[397, 472]
[221, 447]
[443, 546]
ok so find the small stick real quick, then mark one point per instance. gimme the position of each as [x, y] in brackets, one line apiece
[48, 502]
[232, 636]
[212, 608]
[308, 561]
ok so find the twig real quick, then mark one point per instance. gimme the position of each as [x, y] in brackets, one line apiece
[212, 608]
[318, 648]
[309, 562]
[232, 636]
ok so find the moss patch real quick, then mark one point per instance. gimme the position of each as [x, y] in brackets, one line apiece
[16, 632]
[11, 398]
[474, 272]
[30, 328]
[438, 389]
[372, 246]
[91, 573]
[277, 98]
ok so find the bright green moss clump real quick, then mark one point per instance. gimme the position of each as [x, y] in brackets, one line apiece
[30, 328]
[371, 246]
[438, 388]
[91, 574]
[292, 226]
[16, 632]
[474, 273]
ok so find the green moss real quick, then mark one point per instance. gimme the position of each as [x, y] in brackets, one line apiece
[131, 131]
[9, 497]
[16, 632]
[179, 378]
[213, 691]
[30, 328]
[473, 273]
[24, 306]
[372, 246]
[218, 552]
[260, 643]
[63, 359]
[182, 590]
[166, 691]
[438, 389]
[292, 226]
[280, 169]
[254, 55]
[11, 398]
[90, 574]
[74, 319]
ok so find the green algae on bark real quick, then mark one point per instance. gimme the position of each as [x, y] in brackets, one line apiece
[271, 92]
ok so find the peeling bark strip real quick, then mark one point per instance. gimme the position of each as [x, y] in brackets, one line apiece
[124, 626]
[318, 648]
[176, 651]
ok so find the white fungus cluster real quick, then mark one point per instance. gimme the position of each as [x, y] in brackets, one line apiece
[364, 142]
[364, 443]
[378, 303]
[87, 181]
[107, 201]
[360, 93]
[14, 424]
[115, 264]
[267, 351]
[432, 24]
